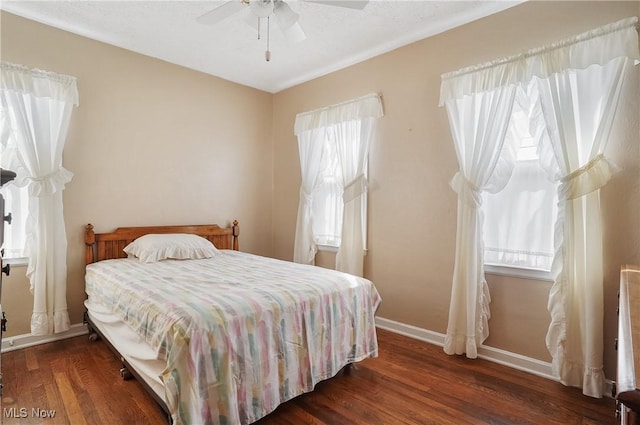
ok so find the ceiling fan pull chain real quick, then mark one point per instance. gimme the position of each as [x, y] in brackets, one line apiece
[259, 27]
[267, 54]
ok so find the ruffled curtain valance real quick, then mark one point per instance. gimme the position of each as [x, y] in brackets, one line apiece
[38, 83]
[369, 106]
[598, 46]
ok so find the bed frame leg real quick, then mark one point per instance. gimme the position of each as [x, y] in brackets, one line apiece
[350, 367]
[93, 335]
[124, 372]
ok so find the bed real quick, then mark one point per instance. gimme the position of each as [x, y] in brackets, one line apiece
[219, 336]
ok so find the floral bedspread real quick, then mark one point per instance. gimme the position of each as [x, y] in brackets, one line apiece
[241, 333]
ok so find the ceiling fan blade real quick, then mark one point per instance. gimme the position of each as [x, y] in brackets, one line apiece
[220, 13]
[350, 4]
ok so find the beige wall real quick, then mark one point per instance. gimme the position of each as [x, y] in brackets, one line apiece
[412, 210]
[151, 143]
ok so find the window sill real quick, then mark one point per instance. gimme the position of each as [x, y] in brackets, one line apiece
[333, 249]
[17, 262]
[327, 248]
[533, 274]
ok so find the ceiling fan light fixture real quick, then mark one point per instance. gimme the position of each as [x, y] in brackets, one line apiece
[261, 8]
[286, 19]
[285, 16]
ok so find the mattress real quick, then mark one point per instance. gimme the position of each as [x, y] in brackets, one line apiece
[130, 345]
[237, 334]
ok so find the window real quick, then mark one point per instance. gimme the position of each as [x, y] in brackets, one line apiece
[16, 199]
[14, 234]
[333, 144]
[328, 205]
[519, 220]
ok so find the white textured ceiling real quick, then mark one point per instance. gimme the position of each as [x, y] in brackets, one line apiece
[336, 36]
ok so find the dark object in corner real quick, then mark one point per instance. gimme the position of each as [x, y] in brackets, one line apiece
[6, 176]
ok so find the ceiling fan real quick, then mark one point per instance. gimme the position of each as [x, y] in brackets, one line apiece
[286, 19]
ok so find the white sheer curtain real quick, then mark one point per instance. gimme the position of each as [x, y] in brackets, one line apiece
[39, 106]
[579, 107]
[353, 141]
[351, 126]
[579, 82]
[310, 150]
[327, 198]
[479, 124]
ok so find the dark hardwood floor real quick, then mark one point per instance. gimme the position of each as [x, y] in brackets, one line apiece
[411, 382]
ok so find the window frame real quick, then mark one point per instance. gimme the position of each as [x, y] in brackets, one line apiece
[518, 272]
[8, 208]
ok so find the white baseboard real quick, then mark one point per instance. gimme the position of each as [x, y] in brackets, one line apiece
[506, 358]
[27, 340]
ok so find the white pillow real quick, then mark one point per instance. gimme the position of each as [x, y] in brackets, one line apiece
[179, 246]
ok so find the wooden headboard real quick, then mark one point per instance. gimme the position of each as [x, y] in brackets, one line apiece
[106, 246]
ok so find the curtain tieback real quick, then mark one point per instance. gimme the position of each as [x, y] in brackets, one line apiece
[586, 179]
[304, 195]
[354, 189]
[48, 184]
[467, 191]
